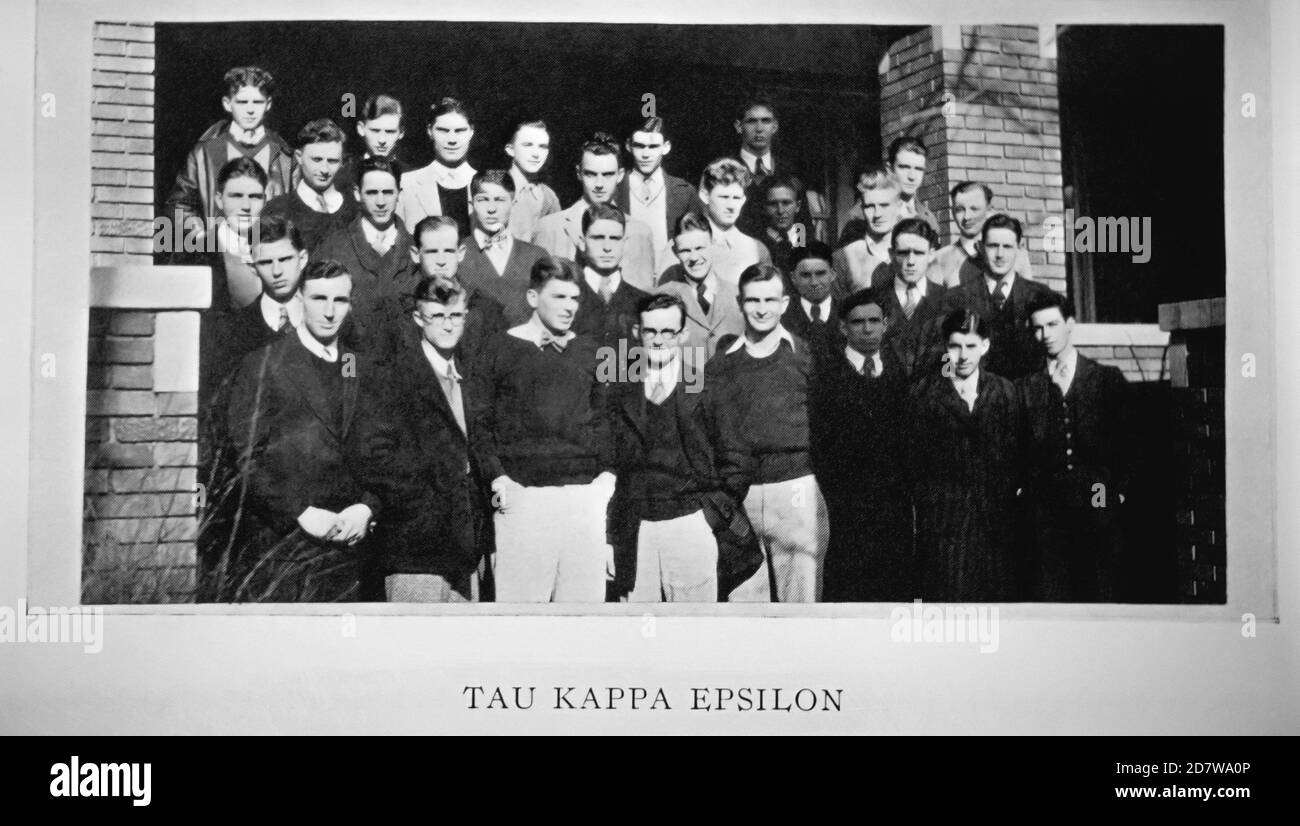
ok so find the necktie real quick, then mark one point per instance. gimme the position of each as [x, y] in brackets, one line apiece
[1000, 295]
[284, 318]
[605, 292]
[817, 313]
[659, 392]
[451, 386]
[548, 340]
[643, 189]
[913, 299]
[1059, 372]
[381, 244]
[705, 304]
[320, 200]
[760, 170]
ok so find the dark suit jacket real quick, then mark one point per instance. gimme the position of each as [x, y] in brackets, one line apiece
[1076, 545]
[965, 467]
[681, 199]
[627, 417]
[915, 343]
[433, 500]
[607, 323]
[509, 289]
[753, 216]
[1013, 352]
[382, 286]
[824, 339]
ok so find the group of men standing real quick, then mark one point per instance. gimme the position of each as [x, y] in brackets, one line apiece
[412, 393]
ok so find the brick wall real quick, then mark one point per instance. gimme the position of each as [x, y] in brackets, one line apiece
[984, 101]
[122, 120]
[141, 458]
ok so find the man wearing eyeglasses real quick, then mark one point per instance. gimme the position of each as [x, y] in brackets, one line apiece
[428, 546]
[664, 549]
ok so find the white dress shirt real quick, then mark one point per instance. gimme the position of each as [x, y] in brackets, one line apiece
[271, 310]
[992, 283]
[332, 197]
[595, 280]
[452, 177]
[859, 361]
[750, 159]
[328, 352]
[743, 341]
[533, 330]
[498, 254]
[825, 304]
[900, 290]
[380, 240]
[1061, 369]
[968, 388]
[665, 377]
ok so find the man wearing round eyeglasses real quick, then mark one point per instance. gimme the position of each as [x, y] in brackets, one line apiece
[664, 548]
[428, 546]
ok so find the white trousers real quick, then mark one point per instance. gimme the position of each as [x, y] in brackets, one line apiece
[792, 526]
[551, 544]
[676, 561]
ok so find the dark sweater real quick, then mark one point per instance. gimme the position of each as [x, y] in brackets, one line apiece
[665, 486]
[757, 410]
[537, 415]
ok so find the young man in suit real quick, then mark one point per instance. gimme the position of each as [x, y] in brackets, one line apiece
[664, 548]
[914, 306]
[428, 546]
[960, 260]
[495, 263]
[442, 187]
[649, 194]
[600, 170]
[963, 446]
[192, 205]
[1077, 453]
[863, 262]
[295, 422]
[812, 318]
[722, 191]
[857, 455]
[375, 251]
[782, 197]
[757, 125]
[227, 248]
[1002, 299]
[439, 254]
[529, 149]
[712, 305]
[539, 429]
[316, 206]
[756, 398]
[607, 304]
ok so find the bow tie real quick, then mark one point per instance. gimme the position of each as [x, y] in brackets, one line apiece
[548, 340]
[247, 137]
[499, 240]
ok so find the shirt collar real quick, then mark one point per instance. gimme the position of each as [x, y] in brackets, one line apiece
[320, 351]
[374, 234]
[1071, 360]
[237, 132]
[271, 310]
[669, 375]
[992, 283]
[900, 287]
[729, 233]
[750, 158]
[443, 367]
[481, 238]
[742, 341]
[971, 382]
[521, 180]
[656, 177]
[533, 329]
[960, 244]
[825, 304]
[310, 197]
[858, 360]
[452, 177]
[594, 279]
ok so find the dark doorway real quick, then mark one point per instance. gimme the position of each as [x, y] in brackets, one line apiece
[578, 77]
[1142, 135]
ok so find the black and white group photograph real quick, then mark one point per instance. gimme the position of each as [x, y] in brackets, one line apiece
[666, 321]
[705, 368]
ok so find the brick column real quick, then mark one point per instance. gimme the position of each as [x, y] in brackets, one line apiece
[142, 434]
[983, 99]
[122, 144]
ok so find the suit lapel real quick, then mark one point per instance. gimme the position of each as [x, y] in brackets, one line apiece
[573, 226]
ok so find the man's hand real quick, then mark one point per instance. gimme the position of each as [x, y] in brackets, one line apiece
[353, 522]
[319, 523]
[502, 487]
